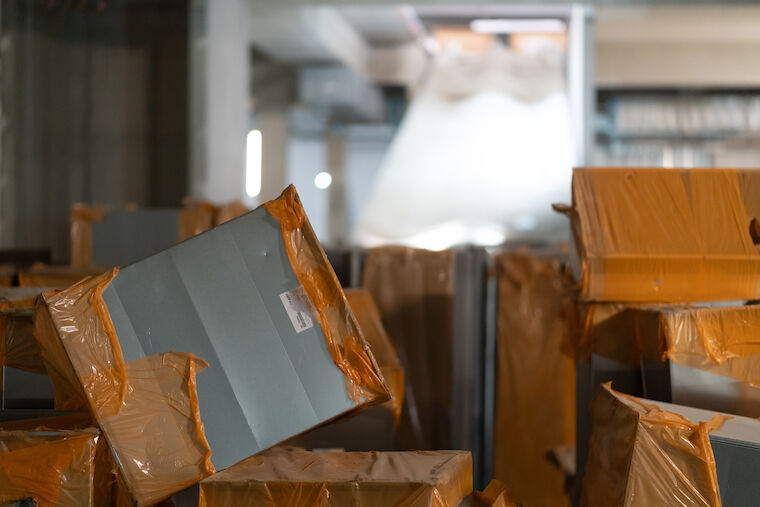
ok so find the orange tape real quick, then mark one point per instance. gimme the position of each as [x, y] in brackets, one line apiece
[344, 341]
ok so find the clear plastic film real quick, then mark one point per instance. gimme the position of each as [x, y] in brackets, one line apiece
[286, 477]
[414, 291]
[368, 316]
[665, 235]
[51, 468]
[343, 337]
[642, 455]
[535, 386]
[147, 408]
[82, 217]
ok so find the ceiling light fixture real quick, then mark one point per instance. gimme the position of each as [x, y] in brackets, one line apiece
[507, 26]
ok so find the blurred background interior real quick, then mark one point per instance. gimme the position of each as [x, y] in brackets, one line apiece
[447, 127]
[427, 125]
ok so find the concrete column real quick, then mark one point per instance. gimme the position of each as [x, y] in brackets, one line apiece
[219, 102]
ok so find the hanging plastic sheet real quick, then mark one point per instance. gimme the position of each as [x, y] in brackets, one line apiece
[535, 387]
[52, 468]
[414, 291]
[286, 477]
[640, 455]
[665, 235]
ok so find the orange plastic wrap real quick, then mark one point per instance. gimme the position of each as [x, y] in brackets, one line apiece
[665, 235]
[194, 218]
[283, 477]
[414, 291]
[147, 408]
[345, 341]
[18, 348]
[105, 468]
[496, 494]
[52, 468]
[67, 391]
[229, 211]
[535, 387]
[721, 340]
[82, 217]
[642, 455]
[368, 317]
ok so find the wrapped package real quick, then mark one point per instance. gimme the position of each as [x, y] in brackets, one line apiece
[118, 237]
[51, 468]
[721, 341]
[254, 298]
[414, 291]
[665, 235]
[284, 477]
[535, 381]
[18, 348]
[23, 377]
[641, 454]
[104, 475]
[125, 236]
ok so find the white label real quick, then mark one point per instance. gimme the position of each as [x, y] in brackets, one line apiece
[299, 308]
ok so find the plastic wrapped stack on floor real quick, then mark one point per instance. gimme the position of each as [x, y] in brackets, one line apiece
[535, 380]
[215, 350]
[665, 260]
[432, 305]
[294, 477]
[644, 452]
[414, 290]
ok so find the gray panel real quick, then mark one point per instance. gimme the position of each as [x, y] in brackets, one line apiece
[737, 464]
[674, 383]
[124, 237]
[698, 388]
[218, 297]
[26, 390]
